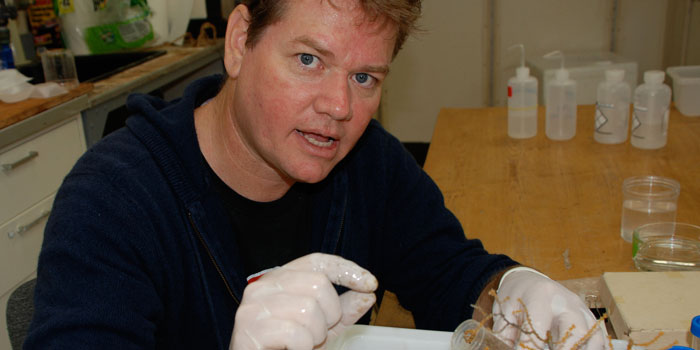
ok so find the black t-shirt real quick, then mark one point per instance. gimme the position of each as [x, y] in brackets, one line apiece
[269, 234]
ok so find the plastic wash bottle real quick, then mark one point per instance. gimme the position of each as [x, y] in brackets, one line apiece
[612, 108]
[560, 100]
[651, 103]
[522, 101]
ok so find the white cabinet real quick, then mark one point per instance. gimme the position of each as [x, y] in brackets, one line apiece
[31, 171]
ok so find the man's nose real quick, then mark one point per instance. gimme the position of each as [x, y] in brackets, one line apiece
[334, 97]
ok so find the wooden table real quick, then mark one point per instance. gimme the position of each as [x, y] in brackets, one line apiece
[552, 205]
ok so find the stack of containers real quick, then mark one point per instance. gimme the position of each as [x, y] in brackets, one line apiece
[587, 69]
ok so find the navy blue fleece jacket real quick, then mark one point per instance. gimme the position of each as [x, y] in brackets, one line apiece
[139, 252]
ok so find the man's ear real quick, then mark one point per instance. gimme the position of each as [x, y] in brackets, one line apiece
[236, 36]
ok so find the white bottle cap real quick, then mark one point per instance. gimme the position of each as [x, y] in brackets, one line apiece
[561, 74]
[522, 72]
[654, 76]
[614, 75]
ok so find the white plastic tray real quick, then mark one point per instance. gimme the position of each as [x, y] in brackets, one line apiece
[361, 337]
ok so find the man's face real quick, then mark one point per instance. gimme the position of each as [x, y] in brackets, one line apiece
[307, 90]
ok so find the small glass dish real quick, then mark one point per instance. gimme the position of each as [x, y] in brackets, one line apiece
[666, 246]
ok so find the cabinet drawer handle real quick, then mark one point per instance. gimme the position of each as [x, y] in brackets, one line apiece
[28, 157]
[23, 228]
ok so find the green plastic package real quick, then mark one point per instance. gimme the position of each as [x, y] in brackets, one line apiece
[103, 26]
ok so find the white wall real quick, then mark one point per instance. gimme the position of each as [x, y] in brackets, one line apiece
[463, 61]
[199, 9]
[693, 52]
[640, 33]
[543, 26]
[442, 66]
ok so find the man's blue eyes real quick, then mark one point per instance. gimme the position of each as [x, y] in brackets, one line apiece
[361, 77]
[306, 59]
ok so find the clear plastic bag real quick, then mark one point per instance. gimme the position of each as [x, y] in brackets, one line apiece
[102, 26]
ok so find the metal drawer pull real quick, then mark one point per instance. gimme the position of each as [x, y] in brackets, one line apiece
[24, 228]
[29, 156]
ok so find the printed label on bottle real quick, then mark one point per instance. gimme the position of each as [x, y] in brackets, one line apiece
[636, 124]
[600, 118]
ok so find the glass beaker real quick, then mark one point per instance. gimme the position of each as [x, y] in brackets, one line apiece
[647, 199]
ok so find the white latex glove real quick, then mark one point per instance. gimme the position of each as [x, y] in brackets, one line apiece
[551, 307]
[296, 306]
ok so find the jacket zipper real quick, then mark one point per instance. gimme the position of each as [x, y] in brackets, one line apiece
[342, 225]
[211, 257]
[375, 307]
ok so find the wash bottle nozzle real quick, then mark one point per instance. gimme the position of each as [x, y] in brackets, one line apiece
[561, 73]
[521, 72]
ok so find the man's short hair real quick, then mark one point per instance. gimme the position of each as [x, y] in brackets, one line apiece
[403, 13]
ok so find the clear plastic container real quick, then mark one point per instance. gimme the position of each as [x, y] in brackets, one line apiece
[686, 89]
[522, 101]
[59, 67]
[647, 199]
[483, 338]
[612, 108]
[470, 335]
[651, 108]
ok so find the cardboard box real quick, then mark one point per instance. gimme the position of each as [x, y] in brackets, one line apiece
[640, 305]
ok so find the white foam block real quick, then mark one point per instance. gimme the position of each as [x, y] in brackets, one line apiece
[643, 304]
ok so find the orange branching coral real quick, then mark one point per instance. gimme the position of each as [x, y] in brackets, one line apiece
[631, 342]
[590, 332]
[527, 328]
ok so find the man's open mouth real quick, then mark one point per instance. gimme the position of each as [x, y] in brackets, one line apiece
[317, 139]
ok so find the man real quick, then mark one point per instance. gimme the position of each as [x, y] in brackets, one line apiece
[219, 220]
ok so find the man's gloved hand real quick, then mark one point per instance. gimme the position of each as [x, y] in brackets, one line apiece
[550, 307]
[296, 306]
